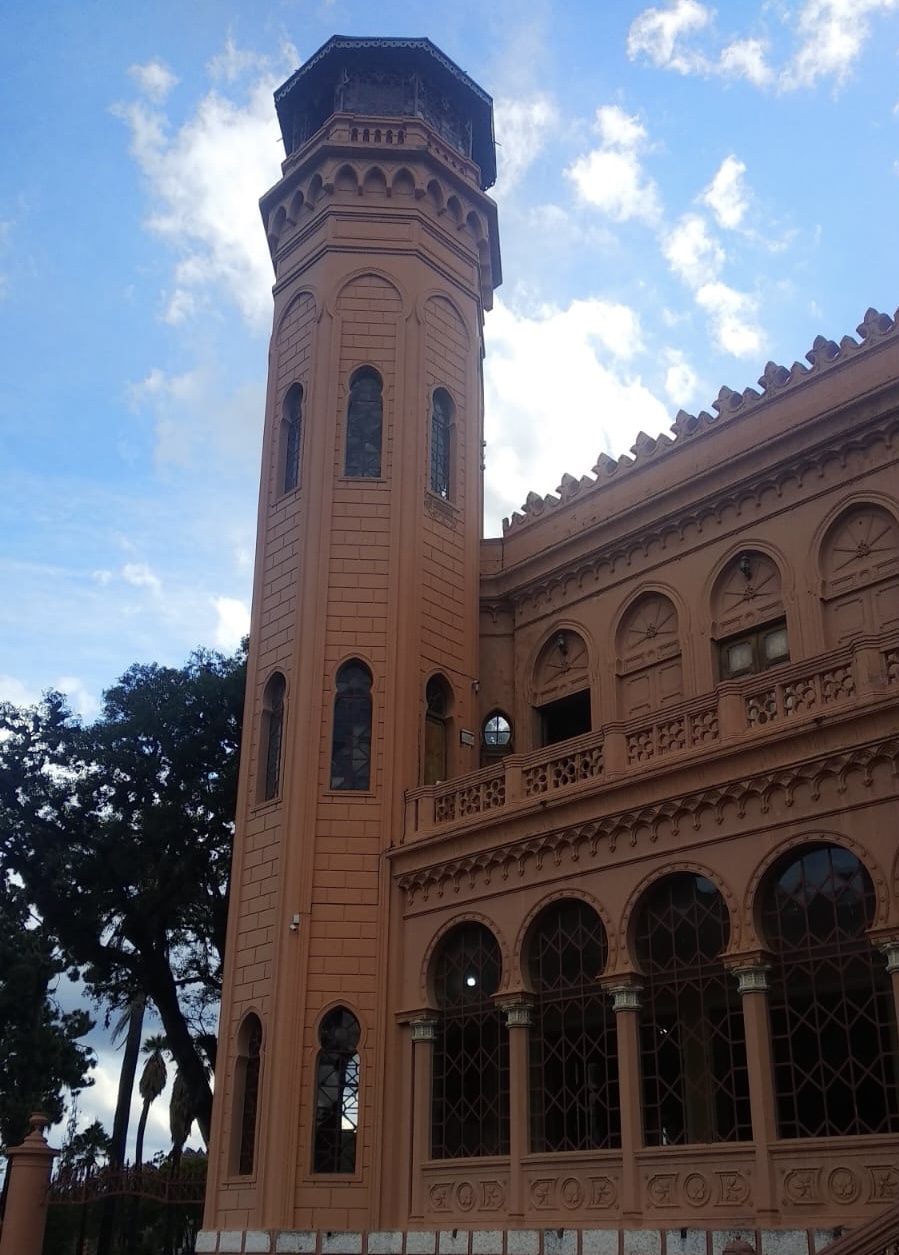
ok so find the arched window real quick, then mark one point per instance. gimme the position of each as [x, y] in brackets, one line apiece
[272, 736]
[832, 1020]
[695, 1083]
[648, 656]
[860, 570]
[438, 699]
[246, 1093]
[442, 429]
[496, 738]
[351, 744]
[363, 425]
[470, 1114]
[562, 688]
[291, 436]
[336, 1093]
[573, 1061]
[749, 622]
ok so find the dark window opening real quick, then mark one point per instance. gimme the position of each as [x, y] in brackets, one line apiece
[755, 651]
[442, 411]
[351, 744]
[363, 425]
[470, 1107]
[337, 1093]
[291, 433]
[693, 1046]
[567, 717]
[572, 1060]
[437, 696]
[247, 1092]
[833, 1026]
[272, 736]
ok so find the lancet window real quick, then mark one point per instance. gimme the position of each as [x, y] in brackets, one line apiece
[438, 700]
[351, 741]
[363, 425]
[336, 1093]
[562, 688]
[272, 736]
[832, 1019]
[750, 625]
[246, 1092]
[573, 1063]
[291, 437]
[442, 430]
[470, 1109]
[695, 1083]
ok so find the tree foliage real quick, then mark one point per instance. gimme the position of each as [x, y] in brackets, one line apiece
[121, 832]
[40, 1054]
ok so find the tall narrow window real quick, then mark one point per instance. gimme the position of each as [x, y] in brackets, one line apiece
[437, 696]
[246, 1093]
[695, 1080]
[363, 425]
[272, 736]
[573, 1061]
[442, 415]
[351, 744]
[833, 1028]
[291, 434]
[470, 1112]
[336, 1093]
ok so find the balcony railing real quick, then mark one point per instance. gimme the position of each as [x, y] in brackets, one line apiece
[737, 711]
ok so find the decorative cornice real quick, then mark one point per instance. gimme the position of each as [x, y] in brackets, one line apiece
[584, 841]
[824, 355]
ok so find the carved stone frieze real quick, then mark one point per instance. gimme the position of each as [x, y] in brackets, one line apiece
[596, 838]
[572, 1192]
[485, 1195]
[695, 1188]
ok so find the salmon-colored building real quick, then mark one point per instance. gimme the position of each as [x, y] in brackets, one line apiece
[564, 910]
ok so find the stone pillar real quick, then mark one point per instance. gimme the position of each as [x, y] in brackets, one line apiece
[752, 981]
[26, 1200]
[423, 1032]
[518, 1022]
[626, 1004]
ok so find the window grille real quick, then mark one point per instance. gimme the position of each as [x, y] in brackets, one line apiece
[470, 1110]
[337, 1093]
[833, 1025]
[363, 425]
[695, 1083]
[442, 411]
[248, 1064]
[573, 1060]
[351, 745]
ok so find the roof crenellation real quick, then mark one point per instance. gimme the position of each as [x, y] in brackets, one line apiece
[774, 380]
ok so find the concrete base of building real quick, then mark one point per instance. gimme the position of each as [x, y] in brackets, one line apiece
[516, 1241]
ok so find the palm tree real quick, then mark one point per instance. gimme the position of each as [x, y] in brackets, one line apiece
[150, 1086]
[181, 1116]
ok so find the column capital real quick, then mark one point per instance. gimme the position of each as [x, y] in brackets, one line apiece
[889, 948]
[625, 995]
[517, 1010]
[423, 1028]
[752, 978]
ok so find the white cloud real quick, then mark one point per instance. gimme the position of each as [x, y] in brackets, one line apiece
[154, 79]
[82, 701]
[233, 63]
[681, 380]
[557, 377]
[692, 253]
[204, 180]
[832, 34]
[233, 622]
[732, 319]
[522, 128]
[726, 195]
[610, 177]
[658, 35]
[746, 58]
[139, 575]
[17, 692]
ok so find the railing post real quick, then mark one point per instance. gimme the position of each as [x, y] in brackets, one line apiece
[731, 712]
[514, 790]
[26, 1200]
[868, 668]
[614, 750]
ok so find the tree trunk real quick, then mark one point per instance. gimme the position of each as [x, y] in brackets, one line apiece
[141, 1129]
[122, 1115]
[164, 993]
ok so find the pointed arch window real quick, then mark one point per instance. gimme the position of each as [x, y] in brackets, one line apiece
[291, 437]
[272, 736]
[470, 1110]
[695, 1078]
[246, 1093]
[351, 743]
[365, 410]
[832, 1018]
[438, 699]
[336, 1093]
[443, 413]
[573, 1061]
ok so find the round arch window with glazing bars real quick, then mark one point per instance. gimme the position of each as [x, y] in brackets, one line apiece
[337, 1093]
[693, 1045]
[833, 1026]
[470, 1109]
[573, 1063]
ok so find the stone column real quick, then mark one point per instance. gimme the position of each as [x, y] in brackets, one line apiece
[890, 951]
[423, 1032]
[518, 1022]
[26, 1200]
[626, 1004]
[752, 981]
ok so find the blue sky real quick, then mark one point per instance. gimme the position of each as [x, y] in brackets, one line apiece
[685, 192]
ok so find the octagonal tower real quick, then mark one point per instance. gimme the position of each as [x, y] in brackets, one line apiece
[364, 640]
